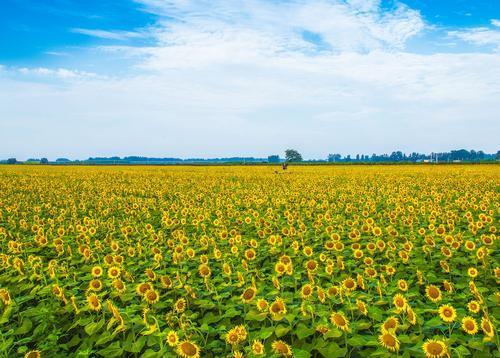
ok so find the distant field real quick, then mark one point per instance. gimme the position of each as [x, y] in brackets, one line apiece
[315, 261]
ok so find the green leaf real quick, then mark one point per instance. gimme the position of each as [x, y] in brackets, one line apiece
[25, 327]
[332, 350]
[113, 350]
[300, 353]
[266, 332]
[281, 330]
[462, 351]
[356, 341]
[254, 315]
[333, 333]
[93, 327]
[211, 318]
[232, 313]
[302, 331]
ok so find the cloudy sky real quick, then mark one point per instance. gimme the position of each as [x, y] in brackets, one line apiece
[214, 78]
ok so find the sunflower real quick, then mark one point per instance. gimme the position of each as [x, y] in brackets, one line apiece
[242, 332]
[113, 272]
[180, 305]
[33, 354]
[93, 302]
[400, 302]
[306, 291]
[349, 284]
[281, 348]
[469, 325]
[447, 313]
[187, 349]
[390, 324]
[340, 321]
[258, 348]
[249, 294]
[434, 348]
[362, 307]
[403, 285]
[473, 306]
[166, 282]
[204, 271]
[119, 285]
[57, 291]
[151, 296]
[262, 305]
[487, 327]
[250, 254]
[433, 293]
[97, 271]
[311, 266]
[5, 296]
[95, 285]
[277, 309]
[321, 294]
[142, 288]
[472, 272]
[280, 268]
[232, 337]
[412, 317]
[389, 341]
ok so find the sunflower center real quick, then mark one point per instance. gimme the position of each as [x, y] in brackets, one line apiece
[188, 349]
[435, 348]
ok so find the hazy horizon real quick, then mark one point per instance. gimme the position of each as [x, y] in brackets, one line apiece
[188, 79]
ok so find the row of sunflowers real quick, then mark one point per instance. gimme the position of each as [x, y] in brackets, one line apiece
[319, 261]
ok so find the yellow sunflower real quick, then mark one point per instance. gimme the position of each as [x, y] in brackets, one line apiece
[172, 338]
[389, 341]
[187, 349]
[93, 302]
[447, 313]
[433, 293]
[435, 348]
[277, 309]
[469, 325]
[281, 348]
[340, 321]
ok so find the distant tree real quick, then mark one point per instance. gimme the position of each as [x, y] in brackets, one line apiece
[44, 161]
[498, 155]
[291, 155]
[332, 158]
[273, 159]
[62, 160]
[11, 161]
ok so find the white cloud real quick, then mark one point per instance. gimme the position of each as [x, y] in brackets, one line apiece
[110, 35]
[59, 73]
[239, 78]
[482, 36]
[495, 22]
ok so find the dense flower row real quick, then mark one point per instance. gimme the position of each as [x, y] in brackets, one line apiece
[244, 262]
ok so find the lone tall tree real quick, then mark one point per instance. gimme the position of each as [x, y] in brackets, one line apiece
[291, 155]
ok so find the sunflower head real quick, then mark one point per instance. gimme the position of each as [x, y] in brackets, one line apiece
[447, 313]
[249, 294]
[435, 348]
[469, 325]
[340, 321]
[281, 348]
[389, 341]
[187, 349]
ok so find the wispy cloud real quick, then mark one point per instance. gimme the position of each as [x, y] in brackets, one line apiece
[110, 35]
[239, 77]
[482, 36]
[61, 73]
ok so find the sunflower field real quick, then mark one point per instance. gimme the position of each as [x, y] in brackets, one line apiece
[249, 261]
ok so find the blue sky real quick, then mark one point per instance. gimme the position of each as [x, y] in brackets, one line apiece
[220, 78]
